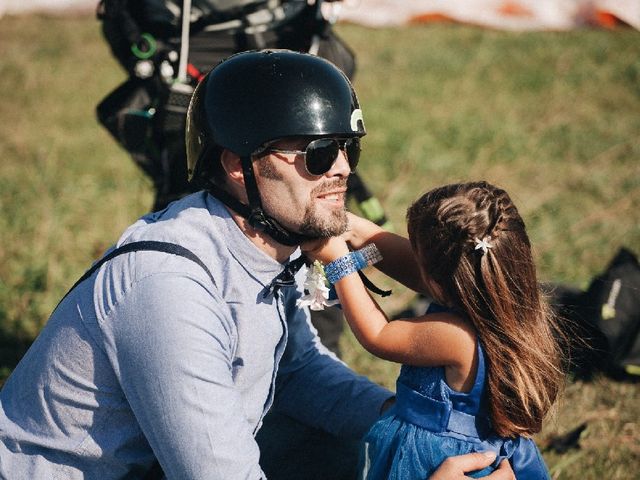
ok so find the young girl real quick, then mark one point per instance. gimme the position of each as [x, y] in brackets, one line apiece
[482, 367]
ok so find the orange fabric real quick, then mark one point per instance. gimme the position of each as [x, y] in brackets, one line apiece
[514, 9]
[606, 19]
[430, 18]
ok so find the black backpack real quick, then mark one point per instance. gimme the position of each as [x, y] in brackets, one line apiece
[614, 308]
[603, 322]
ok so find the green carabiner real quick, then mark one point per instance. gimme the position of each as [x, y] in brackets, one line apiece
[153, 46]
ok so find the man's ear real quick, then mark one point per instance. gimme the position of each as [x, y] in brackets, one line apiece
[233, 166]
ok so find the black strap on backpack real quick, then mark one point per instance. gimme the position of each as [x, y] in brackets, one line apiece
[149, 245]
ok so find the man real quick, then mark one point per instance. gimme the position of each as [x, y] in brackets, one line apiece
[176, 345]
[147, 113]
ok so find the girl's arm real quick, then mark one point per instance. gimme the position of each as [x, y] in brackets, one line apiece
[398, 259]
[441, 339]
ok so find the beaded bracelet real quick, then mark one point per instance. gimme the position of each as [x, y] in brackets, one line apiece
[352, 262]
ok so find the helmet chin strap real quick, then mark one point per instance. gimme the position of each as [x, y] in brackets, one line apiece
[254, 213]
[259, 220]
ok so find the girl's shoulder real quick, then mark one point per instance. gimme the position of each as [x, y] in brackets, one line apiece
[456, 318]
[460, 336]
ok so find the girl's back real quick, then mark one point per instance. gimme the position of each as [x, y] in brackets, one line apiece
[430, 422]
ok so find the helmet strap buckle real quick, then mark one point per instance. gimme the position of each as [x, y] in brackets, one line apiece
[257, 219]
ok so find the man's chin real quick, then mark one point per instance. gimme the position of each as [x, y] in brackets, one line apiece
[320, 234]
[317, 229]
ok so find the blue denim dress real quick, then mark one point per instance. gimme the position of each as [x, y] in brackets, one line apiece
[431, 422]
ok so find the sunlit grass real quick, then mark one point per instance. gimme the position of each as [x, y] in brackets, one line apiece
[552, 117]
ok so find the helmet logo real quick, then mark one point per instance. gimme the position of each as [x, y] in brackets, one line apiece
[356, 116]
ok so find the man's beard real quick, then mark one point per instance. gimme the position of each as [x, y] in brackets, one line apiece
[312, 225]
[315, 226]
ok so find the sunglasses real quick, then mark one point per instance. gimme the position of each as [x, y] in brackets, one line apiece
[321, 154]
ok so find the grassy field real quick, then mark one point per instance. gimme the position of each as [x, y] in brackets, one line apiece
[552, 117]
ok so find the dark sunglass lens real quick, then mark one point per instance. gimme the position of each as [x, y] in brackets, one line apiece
[352, 149]
[320, 156]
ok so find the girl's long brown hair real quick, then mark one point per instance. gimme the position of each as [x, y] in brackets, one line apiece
[498, 291]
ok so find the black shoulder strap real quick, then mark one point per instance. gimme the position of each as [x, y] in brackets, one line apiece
[152, 245]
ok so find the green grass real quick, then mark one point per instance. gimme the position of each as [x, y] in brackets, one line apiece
[552, 117]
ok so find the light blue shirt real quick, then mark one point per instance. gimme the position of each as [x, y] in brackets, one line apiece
[148, 359]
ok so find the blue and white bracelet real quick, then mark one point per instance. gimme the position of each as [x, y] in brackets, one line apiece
[352, 262]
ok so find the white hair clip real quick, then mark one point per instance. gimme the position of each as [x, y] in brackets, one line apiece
[483, 244]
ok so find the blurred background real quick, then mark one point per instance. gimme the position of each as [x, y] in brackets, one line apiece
[543, 100]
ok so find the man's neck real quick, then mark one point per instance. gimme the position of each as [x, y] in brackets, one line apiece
[262, 240]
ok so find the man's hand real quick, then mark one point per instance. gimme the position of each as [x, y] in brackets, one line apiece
[456, 467]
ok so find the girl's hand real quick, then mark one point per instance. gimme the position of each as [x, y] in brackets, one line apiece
[325, 250]
[360, 231]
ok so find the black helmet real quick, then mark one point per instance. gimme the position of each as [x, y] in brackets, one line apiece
[255, 97]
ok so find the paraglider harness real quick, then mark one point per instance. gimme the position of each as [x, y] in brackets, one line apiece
[167, 56]
[146, 114]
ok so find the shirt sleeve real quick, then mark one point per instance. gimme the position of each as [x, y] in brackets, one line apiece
[317, 389]
[171, 346]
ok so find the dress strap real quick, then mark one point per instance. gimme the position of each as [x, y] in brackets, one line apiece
[478, 385]
[436, 415]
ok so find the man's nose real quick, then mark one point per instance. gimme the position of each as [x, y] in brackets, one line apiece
[341, 166]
